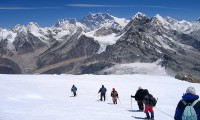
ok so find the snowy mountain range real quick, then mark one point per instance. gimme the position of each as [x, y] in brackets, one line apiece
[100, 41]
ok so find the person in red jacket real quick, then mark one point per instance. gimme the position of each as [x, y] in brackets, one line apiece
[114, 96]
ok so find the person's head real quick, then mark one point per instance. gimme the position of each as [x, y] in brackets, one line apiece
[102, 86]
[139, 87]
[191, 90]
[72, 85]
[113, 89]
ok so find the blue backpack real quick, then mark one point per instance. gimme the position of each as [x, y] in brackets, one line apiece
[189, 112]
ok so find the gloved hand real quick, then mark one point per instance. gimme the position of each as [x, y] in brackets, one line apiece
[132, 96]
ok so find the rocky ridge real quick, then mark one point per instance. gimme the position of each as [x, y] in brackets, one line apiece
[67, 48]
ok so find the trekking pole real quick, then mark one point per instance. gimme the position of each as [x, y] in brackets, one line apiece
[119, 101]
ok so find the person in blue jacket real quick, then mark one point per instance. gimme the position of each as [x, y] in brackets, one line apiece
[74, 89]
[189, 97]
[102, 90]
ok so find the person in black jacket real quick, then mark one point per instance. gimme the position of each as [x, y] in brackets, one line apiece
[139, 95]
[148, 105]
[103, 90]
[189, 97]
[74, 89]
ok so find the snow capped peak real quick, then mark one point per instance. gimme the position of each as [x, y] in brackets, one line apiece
[99, 15]
[96, 20]
[18, 28]
[171, 20]
[159, 18]
[62, 22]
[96, 17]
[139, 15]
[33, 26]
[171, 23]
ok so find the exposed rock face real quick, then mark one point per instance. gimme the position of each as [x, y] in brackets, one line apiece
[9, 67]
[94, 68]
[142, 40]
[75, 47]
[3, 47]
[188, 78]
[106, 31]
[66, 48]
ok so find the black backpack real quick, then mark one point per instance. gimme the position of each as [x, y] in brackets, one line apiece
[153, 100]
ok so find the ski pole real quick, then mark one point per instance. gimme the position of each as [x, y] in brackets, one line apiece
[131, 103]
[119, 100]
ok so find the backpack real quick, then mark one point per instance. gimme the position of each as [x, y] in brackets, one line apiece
[114, 94]
[153, 100]
[189, 111]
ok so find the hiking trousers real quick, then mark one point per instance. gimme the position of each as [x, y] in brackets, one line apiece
[103, 96]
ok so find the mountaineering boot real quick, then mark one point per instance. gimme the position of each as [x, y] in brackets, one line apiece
[147, 114]
[152, 115]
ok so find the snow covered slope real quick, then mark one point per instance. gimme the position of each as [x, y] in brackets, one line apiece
[47, 97]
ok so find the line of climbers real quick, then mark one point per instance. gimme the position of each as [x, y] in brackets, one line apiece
[102, 92]
[188, 107]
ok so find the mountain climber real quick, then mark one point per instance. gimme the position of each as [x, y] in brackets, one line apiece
[148, 104]
[74, 89]
[102, 90]
[139, 95]
[114, 96]
[189, 98]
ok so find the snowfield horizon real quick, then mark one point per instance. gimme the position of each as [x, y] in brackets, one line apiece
[48, 97]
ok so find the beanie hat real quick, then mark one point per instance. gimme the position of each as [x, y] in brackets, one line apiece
[139, 87]
[191, 90]
[113, 89]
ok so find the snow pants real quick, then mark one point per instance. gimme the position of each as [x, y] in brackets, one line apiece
[114, 100]
[103, 96]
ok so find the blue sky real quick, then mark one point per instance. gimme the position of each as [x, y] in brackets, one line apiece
[47, 12]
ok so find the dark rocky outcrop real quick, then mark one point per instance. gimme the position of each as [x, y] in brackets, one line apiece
[95, 68]
[9, 67]
[189, 78]
[106, 31]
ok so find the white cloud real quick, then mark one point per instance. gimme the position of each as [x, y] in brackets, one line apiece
[125, 6]
[93, 5]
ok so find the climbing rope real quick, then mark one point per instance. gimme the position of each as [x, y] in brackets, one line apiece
[164, 112]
